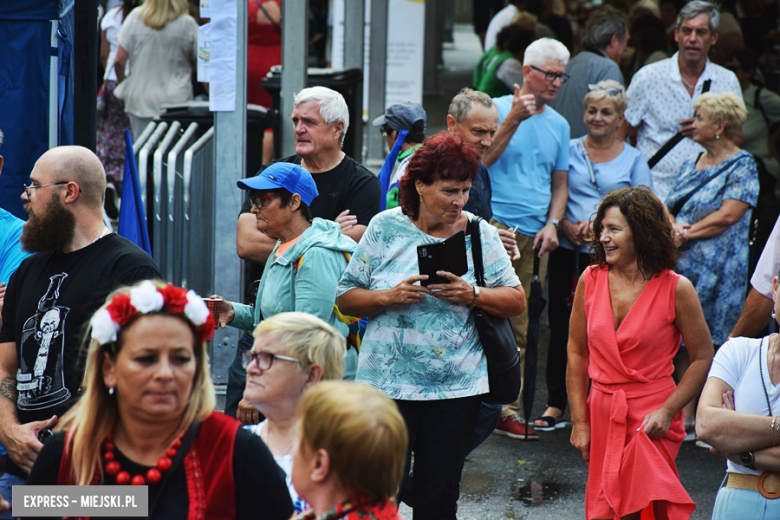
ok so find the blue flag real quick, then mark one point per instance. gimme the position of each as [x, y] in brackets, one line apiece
[387, 168]
[132, 220]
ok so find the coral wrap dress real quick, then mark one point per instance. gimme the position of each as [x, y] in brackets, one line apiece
[631, 371]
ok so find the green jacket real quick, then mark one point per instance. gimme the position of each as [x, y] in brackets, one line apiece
[310, 288]
[485, 79]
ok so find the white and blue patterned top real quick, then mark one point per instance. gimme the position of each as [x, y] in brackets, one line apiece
[718, 266]
[657, 101]
[284, 462]
[428, 350]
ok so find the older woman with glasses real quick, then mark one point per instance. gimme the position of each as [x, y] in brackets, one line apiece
[292, 351]
[306, 264]
[599, 163]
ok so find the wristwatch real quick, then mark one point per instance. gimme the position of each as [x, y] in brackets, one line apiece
[555, 222]
[747, 459]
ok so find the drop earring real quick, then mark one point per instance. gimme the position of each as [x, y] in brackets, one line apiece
[717, 136]
[774, 315]
[110, 390]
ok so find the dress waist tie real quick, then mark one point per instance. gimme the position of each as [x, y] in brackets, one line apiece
[616, 434]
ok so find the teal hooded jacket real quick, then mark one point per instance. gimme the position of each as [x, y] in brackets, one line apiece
[310, 288]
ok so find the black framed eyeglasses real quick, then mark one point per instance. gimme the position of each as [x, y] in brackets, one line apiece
[29, 187]
[552, 76]
[258, 199]
[264, 360]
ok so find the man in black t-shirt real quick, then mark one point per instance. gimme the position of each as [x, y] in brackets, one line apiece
[52, 296]
[348, 194]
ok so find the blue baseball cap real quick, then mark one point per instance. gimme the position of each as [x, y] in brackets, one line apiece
[289, 176]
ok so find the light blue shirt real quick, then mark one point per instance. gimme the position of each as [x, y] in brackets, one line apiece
[428, 350]
[521, 178]
[629, 168]
[11, 253]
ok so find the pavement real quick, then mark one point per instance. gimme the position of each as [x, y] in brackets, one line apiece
[510, 479]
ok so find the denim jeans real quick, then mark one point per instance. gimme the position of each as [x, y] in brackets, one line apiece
[6, 482]
[237, 375]
[489, 415]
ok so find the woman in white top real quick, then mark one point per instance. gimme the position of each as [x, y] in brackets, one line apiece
[739, 415]
[160, 39]
[110, 132]
[292, 352]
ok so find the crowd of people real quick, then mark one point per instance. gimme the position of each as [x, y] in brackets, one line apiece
[358, 382]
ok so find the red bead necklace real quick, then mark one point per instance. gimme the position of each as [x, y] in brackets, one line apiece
[153, 475]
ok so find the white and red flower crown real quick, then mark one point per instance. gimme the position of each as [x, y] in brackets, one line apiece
[147, 298]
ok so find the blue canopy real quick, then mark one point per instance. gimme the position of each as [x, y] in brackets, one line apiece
[32, 33]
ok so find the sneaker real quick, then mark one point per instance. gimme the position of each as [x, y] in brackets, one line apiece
[513, 426]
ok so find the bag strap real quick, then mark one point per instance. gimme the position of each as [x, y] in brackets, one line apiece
[588, 163]
[680, 203]
[186, 443]
[276, 25]
[476, 250]
[676, 138]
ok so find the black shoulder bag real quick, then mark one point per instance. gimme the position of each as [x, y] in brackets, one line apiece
[676, 138]
[680, 203]
[496, 336]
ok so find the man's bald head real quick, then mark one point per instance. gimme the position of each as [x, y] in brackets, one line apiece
[80, 165]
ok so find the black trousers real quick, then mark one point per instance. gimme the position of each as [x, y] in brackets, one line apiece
[237, 375]
[440, 435]
[560, 272]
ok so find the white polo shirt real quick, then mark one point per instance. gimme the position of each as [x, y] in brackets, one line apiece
[657, 101]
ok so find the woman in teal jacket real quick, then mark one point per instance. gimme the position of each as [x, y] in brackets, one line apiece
[308, 260]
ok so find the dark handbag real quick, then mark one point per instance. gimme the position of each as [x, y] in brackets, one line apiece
[497, 338]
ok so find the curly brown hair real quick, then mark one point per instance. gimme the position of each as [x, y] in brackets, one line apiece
[650, 228]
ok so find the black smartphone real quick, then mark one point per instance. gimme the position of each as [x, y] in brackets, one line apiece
[449, 255]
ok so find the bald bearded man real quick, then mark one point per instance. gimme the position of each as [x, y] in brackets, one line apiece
[52, 296]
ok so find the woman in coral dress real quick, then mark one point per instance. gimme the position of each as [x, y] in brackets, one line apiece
[630, 312]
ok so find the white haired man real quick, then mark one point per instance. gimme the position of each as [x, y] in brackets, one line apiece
[349, 195]
[528, 163]
[661, 95]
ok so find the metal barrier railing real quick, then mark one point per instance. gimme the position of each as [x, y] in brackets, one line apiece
[160, 231]
[178, 172]
[198, 172]
[175, 253]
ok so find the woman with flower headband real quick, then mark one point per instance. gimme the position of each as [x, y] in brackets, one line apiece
[147, 416]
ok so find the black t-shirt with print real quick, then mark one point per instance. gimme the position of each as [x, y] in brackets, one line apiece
[347, 186]
[48, 305]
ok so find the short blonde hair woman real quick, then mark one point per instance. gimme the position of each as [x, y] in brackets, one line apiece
[292, 352]
[160, 39]
[725, 107]
[350, 460]
[147, 415]
[607, 89]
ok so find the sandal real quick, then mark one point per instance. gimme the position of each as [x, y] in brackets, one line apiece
[551, 423]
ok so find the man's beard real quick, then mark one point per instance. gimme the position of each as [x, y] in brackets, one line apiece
[54, 229]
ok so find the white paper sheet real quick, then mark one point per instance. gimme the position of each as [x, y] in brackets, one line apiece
[204, 52]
